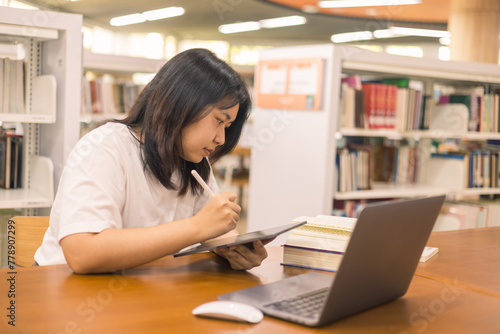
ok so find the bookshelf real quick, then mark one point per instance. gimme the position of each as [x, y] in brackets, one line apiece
[50, 45]
[123, 67]
[293, 168]
[120, 69]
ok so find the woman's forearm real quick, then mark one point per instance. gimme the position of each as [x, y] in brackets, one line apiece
[117, 249]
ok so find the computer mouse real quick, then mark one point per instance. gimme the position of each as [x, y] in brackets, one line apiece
[229, 310]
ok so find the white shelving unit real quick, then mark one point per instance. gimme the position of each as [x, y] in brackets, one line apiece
[419, 134]
[293, 171]
[120, 64]
[53, 65]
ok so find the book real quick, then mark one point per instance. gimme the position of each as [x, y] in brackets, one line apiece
[19, 83]
[10, 160]
[370, 114]
[3, 156]
[428, 253]
[384, 162]
[359, 110]
[391, 109]
[6, 85]
[330, 233]
[13, 87]
[401, 109]
[321, 243]
[1, 83]
[5, 160]
[311, 258]
[16, 162]
[353, 81]
[348, 106]
[399, 82]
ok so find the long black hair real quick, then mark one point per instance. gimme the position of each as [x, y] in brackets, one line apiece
[184, 91]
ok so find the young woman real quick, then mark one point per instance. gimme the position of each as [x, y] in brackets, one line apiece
[127, 197]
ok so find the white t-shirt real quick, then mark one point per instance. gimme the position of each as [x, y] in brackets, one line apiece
[104, 185]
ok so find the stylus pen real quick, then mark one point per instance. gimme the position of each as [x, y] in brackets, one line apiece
[202, 183]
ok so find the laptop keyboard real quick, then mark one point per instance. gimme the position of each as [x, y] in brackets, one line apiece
[307, 305]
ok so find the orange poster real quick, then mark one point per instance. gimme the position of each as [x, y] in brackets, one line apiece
[290, 84]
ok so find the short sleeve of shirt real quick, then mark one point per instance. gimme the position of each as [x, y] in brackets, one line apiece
[93, 187]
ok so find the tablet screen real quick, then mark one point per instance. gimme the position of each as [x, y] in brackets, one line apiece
[240, 239]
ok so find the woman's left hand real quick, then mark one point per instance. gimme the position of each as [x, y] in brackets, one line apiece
[241, 257]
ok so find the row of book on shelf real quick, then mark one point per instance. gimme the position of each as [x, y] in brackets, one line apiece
[103, 95]
[468, 213]
[322, 241]
[11, 153]
[402, 104]
[478, 168]
[359, 166]
[12, 86]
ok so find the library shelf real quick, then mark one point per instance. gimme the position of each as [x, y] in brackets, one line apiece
[389, 190]
[294, 152]
[386, 133]
[49, 43]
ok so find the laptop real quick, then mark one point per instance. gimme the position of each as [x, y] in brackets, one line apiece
[377, 267]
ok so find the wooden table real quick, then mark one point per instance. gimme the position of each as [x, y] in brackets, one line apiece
[466, 258]
[451, 293]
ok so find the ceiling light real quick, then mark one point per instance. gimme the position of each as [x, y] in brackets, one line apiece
[239, 27]
[150, 15]
[365, 3]
[384, 33]
[277, 22]
[127, 19]
[419, 32]
[283, 21]
[401, 31]
[352, 36]
[163, 13]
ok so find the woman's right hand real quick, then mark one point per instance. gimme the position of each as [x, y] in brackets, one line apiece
[219, 215]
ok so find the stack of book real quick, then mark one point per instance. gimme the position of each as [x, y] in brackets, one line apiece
[319, 244]
[322, 241]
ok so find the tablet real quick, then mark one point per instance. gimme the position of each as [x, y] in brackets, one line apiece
[246, 238]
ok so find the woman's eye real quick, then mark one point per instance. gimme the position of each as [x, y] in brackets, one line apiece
[220, 121]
